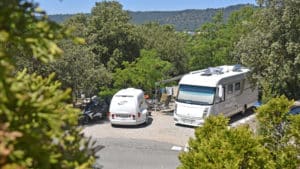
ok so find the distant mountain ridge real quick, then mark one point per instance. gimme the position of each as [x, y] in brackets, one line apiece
[185, 20]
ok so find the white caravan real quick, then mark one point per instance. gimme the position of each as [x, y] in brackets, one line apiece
[128, 107]
[218, 90]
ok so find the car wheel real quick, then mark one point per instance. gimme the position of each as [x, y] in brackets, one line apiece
[85, 120]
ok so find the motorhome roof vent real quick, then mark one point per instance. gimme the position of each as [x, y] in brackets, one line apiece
[212, 71]
[237, 68]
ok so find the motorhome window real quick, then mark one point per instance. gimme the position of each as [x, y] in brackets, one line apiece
[237, 86]
[229, 88]
[200, 95]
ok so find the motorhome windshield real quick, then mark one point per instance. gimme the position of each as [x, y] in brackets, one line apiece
[196, 94]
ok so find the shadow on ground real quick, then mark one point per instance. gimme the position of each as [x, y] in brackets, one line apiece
[144, 125]
[95, 122]
[241, 115]
[186, 126]
[168, 112]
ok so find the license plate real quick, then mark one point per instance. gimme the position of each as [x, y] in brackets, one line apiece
[188, 121]
[123, 115]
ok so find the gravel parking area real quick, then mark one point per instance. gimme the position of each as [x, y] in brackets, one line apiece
[161, 128]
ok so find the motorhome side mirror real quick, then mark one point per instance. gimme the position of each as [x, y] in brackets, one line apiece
[220, 91]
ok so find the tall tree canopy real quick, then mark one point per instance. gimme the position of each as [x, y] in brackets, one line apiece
[78, 67]
[168, 43]
[110, 36]
[272, 48]
[143, 73]
[214, 42]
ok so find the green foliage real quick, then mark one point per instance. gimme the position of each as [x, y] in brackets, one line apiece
[37, 34]
[143, 73]
[168, 43]
[110, 40]
[272, 115]
[107, 93]
[40, 114]
[214, 42]
[207, 47]
[217, 146]
[278, 132]
[31, 105]
[79, 68]
[110, 36]
[275, 145]
[294, 129]
[272, 47]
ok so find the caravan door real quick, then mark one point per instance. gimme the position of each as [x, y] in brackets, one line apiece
[228, 104]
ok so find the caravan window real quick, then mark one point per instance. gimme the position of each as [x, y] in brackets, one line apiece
[230, 88]
[237, 86]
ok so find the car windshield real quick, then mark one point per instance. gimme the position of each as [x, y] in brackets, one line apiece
[196, 94]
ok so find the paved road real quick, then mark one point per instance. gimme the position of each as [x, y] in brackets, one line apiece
[136, 154]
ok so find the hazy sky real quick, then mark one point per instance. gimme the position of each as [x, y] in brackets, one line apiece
[85, 6]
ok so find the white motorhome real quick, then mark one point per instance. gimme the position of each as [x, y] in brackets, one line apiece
[217, 90]
[128, 107]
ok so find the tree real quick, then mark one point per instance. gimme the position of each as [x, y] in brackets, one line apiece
[40, 127]
[168, 43]
[207, 48]
[78, 67]
[278, 130]
[274, 145]
[272, 48]
[294, 129]
[214, 42]
[217, 146]
[110, 36]
[143, 73]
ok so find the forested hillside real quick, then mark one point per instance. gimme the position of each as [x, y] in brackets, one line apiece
[186, 20]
